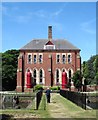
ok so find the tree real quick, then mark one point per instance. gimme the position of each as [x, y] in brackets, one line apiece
[85, 70]
[96, 68]
[89, 70]
[9, 69]
[77, 79]
[96, 77]
[96, 63]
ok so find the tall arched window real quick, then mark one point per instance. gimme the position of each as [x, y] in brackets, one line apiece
[40, 76]
[69, 75]
[34, 77]
[57, 76]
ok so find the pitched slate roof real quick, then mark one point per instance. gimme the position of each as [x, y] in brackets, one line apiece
[60, 44]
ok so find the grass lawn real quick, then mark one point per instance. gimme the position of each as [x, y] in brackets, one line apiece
[58, 106]
[28, 113]
[68, 109]
[76, 111]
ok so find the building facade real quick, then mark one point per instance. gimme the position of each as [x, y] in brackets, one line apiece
[46, 60]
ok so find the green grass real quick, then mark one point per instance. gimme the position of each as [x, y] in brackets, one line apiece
[71, 109]
[77, 111]
[42, 111]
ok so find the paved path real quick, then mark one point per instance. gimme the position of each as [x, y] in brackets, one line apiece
[56, 107]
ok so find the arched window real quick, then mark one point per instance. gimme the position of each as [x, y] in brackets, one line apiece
[69, 58]
[29, 58]
[57, 76]
[69, 75]
[34, 77]
[40, 76]
[58, 58]
[63, 59]
[40, 58]
[35, 59]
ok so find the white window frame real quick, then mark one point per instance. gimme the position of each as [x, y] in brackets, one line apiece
[57, 58]
[47, 46]
[36, 58]
[28, 58]
[60, 75]
[62, 58]
[42, 76]
[39, 58]
[69, 62]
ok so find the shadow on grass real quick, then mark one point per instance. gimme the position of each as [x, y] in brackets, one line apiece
[5, 117]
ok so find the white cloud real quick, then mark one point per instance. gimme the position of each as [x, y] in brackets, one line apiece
[40, 13]
[89, 26]
[59, 11]
[26, 17]
[13, 14]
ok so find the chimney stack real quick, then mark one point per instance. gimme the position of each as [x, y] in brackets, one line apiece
[50, 33]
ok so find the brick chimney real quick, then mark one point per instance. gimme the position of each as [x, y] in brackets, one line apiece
[50, 33]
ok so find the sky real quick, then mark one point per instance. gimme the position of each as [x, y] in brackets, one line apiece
[73, 21]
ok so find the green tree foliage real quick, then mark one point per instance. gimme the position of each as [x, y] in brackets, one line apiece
[85, 70]
[77, 79]
[96, 78]
[96, 69]
[90, 69]
[9, 69]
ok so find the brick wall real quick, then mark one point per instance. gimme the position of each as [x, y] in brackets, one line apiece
[46, 65]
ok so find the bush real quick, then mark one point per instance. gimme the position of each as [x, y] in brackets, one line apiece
[38, 87]
[55, 88]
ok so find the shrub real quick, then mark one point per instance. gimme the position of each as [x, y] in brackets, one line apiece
[55, 88]
[38, 87]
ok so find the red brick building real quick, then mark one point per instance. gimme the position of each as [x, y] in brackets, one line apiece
[46, 59]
